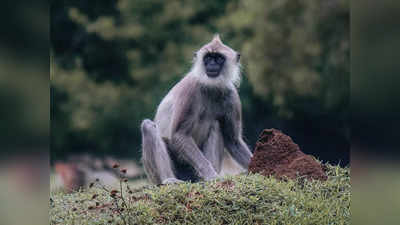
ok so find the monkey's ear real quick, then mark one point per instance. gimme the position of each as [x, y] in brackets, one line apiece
[238, 57]
[195, 55]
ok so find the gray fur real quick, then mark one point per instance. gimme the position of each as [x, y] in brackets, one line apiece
[193, 125]
[156, 160]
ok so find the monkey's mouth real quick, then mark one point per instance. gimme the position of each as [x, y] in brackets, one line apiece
[212, 73]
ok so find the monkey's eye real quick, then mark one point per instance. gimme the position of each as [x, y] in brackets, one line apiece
[207, 59]
[220, 59]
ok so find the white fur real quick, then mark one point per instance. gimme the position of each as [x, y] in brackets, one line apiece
[230, 74]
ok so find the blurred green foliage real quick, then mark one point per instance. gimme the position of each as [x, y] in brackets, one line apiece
[113, 61]
[297, 52]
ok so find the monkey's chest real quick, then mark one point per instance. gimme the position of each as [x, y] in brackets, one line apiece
[202, 130]
[213, 105]
[208, 118]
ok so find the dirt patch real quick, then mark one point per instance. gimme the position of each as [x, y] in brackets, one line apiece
[276, 154]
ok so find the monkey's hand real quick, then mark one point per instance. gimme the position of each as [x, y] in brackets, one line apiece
[171, 181]
[208, 173]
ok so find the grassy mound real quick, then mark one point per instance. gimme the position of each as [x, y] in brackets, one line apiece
[244, 199]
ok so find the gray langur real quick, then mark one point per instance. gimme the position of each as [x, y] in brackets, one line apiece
[197, 120]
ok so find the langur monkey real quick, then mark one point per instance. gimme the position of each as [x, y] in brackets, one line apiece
[197, 121]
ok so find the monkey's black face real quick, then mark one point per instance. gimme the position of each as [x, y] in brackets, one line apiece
[213, 63]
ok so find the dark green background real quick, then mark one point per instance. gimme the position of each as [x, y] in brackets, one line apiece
[113, 61]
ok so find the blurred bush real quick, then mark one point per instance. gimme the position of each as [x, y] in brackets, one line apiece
[112, 61]
[296, 52]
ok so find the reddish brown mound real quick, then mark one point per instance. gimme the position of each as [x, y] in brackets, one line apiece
[276, 154]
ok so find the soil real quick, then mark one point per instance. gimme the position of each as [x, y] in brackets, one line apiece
[276, 154]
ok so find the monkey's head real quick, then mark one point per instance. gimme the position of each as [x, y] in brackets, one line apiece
[217, 63]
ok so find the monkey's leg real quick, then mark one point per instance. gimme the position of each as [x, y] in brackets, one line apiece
[156, 161]
[213, 148]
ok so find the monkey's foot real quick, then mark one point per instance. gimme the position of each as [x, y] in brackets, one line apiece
[171, 181]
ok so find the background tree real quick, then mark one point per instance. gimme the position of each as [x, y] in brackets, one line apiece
[112, 61]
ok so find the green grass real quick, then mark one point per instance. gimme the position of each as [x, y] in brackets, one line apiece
[243, 199]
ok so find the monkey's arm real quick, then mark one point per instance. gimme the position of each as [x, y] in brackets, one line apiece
[182, 141]
[231, 125]
[188, 151]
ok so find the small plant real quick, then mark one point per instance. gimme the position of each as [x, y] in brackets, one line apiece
[111, 203]
[120, 202]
